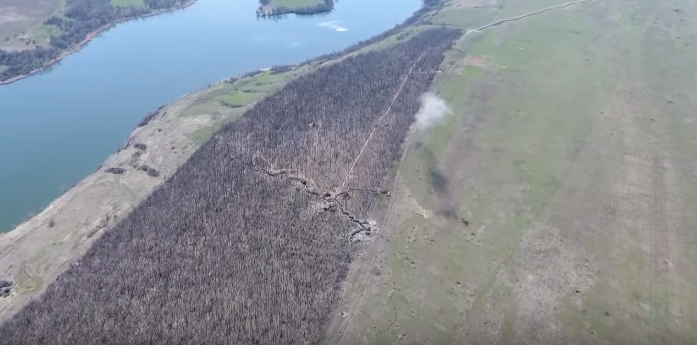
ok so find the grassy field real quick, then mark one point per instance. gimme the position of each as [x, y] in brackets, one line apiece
[21, 22]
[555, 204]
[295, 3]
[231, 100]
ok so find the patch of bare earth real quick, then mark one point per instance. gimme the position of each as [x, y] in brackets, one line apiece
[483, 62]
[547, 270]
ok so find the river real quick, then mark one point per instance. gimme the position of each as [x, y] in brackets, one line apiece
[57, 127]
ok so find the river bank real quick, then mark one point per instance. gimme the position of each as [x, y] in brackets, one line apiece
[35, 252]
[92, 35]
[92, 100]
[39, 249]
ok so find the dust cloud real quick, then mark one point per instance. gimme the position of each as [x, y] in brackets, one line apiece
[433, 109]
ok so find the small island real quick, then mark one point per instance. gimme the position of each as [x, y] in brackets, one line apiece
[270, 8]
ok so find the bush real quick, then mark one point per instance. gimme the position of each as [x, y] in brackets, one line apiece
[116, 171]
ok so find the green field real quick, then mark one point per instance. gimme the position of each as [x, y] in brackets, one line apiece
[230, 100]
[21, 22]
[564, 213]
[295, 3]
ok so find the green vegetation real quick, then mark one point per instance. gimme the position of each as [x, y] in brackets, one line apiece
[25, 282]
[295, 3]
[466, 17]
[43, 33]
[552, 175]
[230, 100]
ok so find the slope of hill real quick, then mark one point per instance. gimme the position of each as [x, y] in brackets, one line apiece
[556, 204]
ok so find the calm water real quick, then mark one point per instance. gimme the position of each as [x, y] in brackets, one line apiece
[57, 127]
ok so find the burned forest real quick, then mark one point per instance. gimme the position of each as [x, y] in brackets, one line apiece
[249, 242]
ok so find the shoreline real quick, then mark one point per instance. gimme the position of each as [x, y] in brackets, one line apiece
[35, 252]
[92, 35]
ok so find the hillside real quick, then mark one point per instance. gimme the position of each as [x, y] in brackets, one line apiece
[556, 204]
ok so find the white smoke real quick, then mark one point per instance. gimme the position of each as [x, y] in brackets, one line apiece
[433, 109]
[333, 24]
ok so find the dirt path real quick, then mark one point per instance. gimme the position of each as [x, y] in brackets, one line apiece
[377, 123]
[525, 15]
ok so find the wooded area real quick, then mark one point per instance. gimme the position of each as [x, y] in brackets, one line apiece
[81, 18]
[248, 243]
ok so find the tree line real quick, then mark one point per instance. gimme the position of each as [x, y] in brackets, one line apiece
[81, 18]
[226, 252]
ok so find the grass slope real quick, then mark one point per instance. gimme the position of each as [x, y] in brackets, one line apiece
[555, 204]
[295, 3]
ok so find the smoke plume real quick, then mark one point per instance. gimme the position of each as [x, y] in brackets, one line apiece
[433, 109]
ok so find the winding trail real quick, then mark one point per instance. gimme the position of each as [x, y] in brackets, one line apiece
[358, 296]
[511, 19]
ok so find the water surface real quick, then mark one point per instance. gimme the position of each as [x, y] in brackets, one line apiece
[57, 127]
